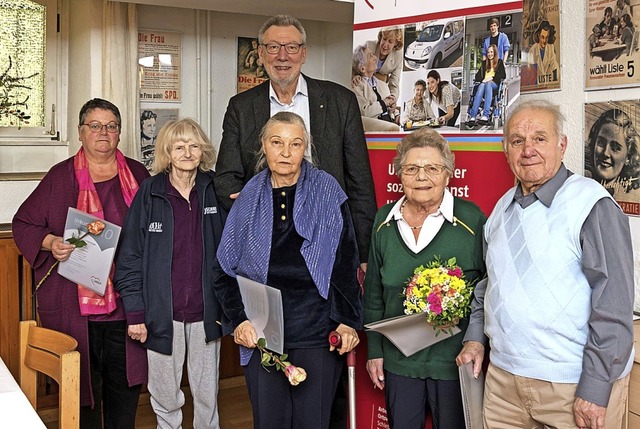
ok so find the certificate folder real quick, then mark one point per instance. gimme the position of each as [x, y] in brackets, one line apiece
[263, 307]
[89, 266]
[410, 333]
[472, 393]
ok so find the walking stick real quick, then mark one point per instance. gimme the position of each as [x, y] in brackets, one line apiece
[336, 341]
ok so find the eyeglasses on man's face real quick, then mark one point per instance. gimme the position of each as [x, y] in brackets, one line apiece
[429, 169]
[96, 127]
[290, 48]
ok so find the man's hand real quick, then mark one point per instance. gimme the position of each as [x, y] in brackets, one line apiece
[472, 351]
[588, 414]
[376, 372]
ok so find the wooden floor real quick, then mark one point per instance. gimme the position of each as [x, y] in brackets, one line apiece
[233, 404]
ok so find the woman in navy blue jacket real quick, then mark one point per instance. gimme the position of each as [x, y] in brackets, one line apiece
[167, 272]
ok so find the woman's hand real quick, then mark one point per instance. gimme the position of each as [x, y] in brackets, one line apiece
[245, 334]
[349, 339]
[60, 249]
[138, 332]
[376, 372]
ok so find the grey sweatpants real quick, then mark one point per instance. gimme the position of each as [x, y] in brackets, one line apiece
[165, 373]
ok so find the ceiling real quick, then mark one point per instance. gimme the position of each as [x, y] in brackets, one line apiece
[340, 11]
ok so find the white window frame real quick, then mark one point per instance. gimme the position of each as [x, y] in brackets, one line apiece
[50, 133]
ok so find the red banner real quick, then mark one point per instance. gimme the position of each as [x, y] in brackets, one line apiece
[481, 175]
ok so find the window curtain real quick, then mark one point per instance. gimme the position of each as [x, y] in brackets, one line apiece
[120, 70]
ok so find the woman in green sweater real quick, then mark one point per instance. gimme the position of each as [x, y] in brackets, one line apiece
[426, 224]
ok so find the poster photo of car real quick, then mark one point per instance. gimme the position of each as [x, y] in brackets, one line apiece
[434, 44]
[540, 69]
[611, 40]
[612, 150]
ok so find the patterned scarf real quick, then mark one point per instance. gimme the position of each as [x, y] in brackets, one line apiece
[89, 202]
[245, 247]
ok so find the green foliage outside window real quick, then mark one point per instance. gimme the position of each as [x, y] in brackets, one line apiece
[22, 63]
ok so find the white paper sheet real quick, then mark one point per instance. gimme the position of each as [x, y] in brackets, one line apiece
[410, 333]
[472, 395]
[90, 265]
[263, 306]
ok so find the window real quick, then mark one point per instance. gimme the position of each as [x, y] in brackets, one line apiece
[28, 70]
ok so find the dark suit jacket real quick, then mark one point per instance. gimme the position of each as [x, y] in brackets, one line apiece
[340, 148]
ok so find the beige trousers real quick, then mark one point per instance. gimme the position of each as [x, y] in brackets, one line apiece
[511, 401]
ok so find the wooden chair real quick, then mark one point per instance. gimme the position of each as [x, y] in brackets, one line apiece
[52, 353]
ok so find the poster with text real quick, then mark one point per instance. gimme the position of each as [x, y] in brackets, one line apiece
[611, 150]
[611, 45]
[159, 65]
[251, 71]
[151, 120]
[540, 70]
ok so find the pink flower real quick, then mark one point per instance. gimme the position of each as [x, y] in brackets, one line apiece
[435, 304]
[456, 272]
[295, 375]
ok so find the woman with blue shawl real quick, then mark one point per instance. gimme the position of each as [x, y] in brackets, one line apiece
[291, 229]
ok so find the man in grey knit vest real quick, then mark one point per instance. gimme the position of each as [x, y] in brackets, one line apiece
[557, 303]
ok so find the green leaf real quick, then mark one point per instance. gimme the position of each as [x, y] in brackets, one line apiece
[262, 343]
[284, 357]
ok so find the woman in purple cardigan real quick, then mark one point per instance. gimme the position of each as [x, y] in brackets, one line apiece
[98, 180]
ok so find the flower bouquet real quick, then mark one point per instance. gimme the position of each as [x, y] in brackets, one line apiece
[294, 374]
[440, 291]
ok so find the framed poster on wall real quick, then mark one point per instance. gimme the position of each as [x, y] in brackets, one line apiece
[540, 69]
[159, 65]
[251, 71]
[611, 150]
[611, 45]
[151, 120]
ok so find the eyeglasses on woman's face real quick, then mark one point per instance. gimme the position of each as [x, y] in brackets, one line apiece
[96, 127]
[429, 169]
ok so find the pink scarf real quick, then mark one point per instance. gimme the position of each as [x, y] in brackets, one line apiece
[89, 202]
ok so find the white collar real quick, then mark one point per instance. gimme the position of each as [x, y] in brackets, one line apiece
[445, 210]
[301, 88]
